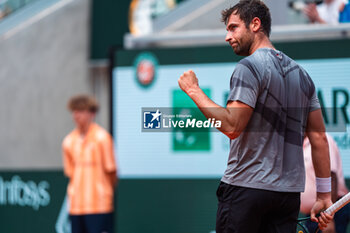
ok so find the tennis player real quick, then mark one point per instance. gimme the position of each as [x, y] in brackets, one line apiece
[271, 104]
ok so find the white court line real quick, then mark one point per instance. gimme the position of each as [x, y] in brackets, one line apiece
[42, 14]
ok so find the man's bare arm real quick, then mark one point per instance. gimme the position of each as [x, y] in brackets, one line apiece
[320, 158]
[234, 117]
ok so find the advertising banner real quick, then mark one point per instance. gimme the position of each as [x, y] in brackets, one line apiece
[147, 87]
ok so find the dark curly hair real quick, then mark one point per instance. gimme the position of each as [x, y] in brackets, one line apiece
[247, 11]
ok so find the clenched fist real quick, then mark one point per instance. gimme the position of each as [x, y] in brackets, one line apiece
[188, 81]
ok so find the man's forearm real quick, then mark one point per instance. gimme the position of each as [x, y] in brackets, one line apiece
[231, 119]
[320, 154]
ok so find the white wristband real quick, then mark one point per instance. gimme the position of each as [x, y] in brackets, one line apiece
[323, 185]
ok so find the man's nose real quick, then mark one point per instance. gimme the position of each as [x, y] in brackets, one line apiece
[75, 114]
[228, 37]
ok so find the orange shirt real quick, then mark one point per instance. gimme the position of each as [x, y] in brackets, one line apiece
[89, 163]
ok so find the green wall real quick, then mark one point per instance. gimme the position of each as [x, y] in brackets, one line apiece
[209, 54]
[143, 205]
[167, 205]
[30, 201]
[109, 23]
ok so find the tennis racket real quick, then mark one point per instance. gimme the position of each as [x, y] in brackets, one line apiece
[301, 225]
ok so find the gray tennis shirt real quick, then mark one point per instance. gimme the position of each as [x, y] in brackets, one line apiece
[268, 153]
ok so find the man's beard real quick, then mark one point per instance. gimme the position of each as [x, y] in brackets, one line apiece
[243, 48]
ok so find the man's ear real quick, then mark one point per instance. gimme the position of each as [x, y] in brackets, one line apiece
[255, 24]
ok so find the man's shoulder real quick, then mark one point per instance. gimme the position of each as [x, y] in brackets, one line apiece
[68, 138]
[101, 133]
[256, 59]
[251, 64]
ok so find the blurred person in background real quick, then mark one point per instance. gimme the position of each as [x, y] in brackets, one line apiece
[326, 12]
[4, 9]
[89, 164]
[339, 189]
[345, 14]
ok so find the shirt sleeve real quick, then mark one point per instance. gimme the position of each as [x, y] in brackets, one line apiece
[244, 84]
[68, 164]
[314, 102]
[309, 89]
[109, 163]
